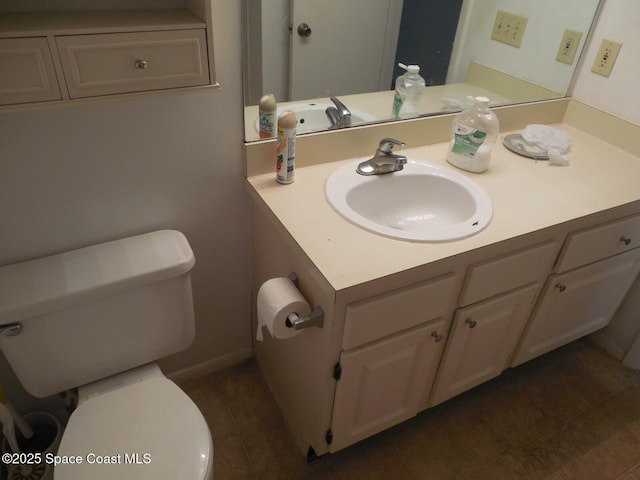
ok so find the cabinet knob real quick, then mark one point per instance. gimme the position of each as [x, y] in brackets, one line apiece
[436, 337]
[561, 287]
[471, 323]
[141, 64]
[626, 240]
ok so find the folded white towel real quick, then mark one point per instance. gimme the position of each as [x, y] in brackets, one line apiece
[555, 141]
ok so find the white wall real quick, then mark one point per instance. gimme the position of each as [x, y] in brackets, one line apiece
[535, 59]
[76, 175]
[620, 92]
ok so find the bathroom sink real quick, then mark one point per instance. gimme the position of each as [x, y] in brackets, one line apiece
[421, 203]
[312, 117]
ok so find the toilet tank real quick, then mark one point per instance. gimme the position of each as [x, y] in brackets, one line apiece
[76, 317]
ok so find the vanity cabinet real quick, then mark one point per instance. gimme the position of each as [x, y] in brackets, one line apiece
[392, 345]
[595, 270]
[67, 55]
[397, 344]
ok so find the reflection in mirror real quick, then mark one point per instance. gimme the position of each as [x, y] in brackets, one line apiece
[305, 52]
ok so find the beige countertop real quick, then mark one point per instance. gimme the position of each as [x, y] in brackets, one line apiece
[527, 196]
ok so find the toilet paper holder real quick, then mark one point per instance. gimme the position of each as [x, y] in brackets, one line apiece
[314, 319]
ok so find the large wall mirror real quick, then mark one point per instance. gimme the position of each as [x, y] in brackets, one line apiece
[305, 52]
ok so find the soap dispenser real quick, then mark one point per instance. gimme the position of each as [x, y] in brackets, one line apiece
[474, 132]
[409, 88]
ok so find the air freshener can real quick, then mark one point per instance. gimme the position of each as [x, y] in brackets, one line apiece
[286, 147]
[267, 116]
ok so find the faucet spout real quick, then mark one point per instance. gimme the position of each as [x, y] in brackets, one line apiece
[384, 161]
[340, 116]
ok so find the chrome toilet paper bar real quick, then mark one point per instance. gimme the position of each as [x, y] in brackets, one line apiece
[315, 319]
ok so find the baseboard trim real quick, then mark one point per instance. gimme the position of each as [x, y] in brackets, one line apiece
[212, 365]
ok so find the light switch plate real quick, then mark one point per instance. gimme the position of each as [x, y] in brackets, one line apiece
[606, 57]
[568, 46]
[509, 28]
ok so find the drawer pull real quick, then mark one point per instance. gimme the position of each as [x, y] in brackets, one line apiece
[561, 287]
[471, 323]
[141, 64]
[625, 240]
[436, 337]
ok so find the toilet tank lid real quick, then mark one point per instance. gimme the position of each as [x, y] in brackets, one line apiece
[47, 284]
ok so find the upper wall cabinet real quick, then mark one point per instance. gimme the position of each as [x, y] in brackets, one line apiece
[67, 55]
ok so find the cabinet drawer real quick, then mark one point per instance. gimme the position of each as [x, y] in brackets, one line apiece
[392, 312]
[132, 62]
[26, 71]
[594, 244]
[506, 273]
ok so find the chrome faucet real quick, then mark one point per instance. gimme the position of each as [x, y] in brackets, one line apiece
[384, 161]
[340, 116]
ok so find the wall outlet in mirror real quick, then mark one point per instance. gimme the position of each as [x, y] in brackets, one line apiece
[509, 28]
[568, 46]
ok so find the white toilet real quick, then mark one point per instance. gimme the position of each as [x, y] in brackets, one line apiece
[98, 318]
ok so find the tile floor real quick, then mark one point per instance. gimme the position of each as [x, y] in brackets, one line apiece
[573, 414]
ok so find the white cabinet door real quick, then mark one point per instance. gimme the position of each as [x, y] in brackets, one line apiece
[577, 303]
[482, 340]
[384, 383]
[26, 71]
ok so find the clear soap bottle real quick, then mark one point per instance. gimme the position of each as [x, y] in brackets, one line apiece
[409, 89]
[474, 132]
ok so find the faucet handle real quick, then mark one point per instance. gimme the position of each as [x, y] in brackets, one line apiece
[387, 144]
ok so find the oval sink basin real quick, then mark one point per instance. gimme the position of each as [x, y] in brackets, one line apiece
[422, 203]
[312, 117]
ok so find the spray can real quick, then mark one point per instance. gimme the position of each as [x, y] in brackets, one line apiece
[267, 116]
[286, 147]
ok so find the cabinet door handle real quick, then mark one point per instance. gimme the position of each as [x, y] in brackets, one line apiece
[626, 240]
[561, 287]
[471, 323]
[436, 337]
[141, 64]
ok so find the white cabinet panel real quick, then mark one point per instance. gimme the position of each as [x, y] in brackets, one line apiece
[577, 303]
[509, 272]
[131, 62]
[384, 383]
[386, 314]
[594, 244]
[482, 340]
[26, 71]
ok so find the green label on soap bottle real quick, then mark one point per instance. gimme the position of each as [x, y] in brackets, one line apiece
[467, 140]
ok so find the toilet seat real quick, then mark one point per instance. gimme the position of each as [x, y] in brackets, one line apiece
[145, 430]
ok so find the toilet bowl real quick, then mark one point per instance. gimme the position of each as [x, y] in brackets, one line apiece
[135, 425]
[98, 318]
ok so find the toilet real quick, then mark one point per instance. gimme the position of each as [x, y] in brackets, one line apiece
[98, 318]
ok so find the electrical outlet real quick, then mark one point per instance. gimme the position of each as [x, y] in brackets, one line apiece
[509, 28]
[606, 57]
[568, 46]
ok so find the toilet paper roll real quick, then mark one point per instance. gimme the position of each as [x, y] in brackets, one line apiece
[277, 299]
